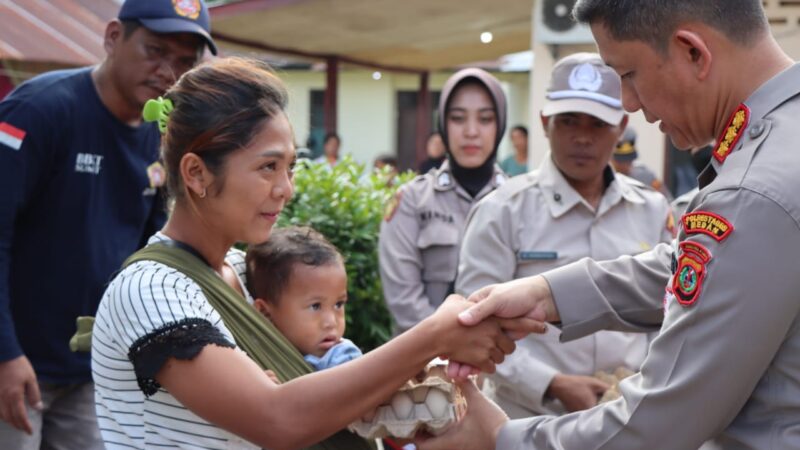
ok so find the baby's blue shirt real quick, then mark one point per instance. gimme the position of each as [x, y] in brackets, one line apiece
[338, 354]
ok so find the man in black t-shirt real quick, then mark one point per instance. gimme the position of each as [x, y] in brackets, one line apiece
[80, 177]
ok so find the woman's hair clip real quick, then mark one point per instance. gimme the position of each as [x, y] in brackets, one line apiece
[158, 110]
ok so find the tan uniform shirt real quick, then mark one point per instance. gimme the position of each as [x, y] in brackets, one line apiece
[536, 222]
[725, 368]
[418, 244]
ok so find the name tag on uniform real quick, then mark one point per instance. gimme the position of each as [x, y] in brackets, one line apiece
[537, 256]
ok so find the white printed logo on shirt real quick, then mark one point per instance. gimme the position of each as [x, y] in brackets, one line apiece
[88, 163]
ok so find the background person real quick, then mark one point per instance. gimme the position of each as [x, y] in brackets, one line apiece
[330, 148]
[517, 164]
[625, 162]
[81, 178]
[435, 150]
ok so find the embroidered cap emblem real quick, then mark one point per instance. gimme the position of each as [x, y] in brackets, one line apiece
[707, 223]
[187, 8]
[732, 134]
[585, 77]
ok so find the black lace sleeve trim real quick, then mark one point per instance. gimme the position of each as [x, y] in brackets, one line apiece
[182, 340]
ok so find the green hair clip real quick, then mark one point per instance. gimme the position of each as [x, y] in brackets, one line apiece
[158, 110]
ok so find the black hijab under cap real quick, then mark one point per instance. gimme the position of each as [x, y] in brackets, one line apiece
[474, 179]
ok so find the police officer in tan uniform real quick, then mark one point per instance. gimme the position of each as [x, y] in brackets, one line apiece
[725, 367]
[625, 160]
[422, 229]
[572, 207]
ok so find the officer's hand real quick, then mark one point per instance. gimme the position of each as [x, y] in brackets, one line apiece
[481, 346]
[17, 384]
[477, 430]
[525, 297]
[576, 392]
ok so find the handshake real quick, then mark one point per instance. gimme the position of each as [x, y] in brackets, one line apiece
[518, 308]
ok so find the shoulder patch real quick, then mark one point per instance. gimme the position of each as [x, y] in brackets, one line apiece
[707, 223]
[687, 282]
[733, 131]
[11, 136]
[392, 205]
[695, 249]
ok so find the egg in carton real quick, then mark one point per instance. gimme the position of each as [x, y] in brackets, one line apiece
[429, 402]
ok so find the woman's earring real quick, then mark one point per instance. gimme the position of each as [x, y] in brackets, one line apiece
[203, 194]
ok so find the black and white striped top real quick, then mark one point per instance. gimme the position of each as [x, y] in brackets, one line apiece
[142, 299]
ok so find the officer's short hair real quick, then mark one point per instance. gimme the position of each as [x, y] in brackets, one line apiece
[653, 21]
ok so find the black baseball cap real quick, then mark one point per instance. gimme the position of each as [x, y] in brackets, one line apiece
[171, 16]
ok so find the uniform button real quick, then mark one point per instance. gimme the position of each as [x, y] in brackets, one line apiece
[557, 197]
[757, 130]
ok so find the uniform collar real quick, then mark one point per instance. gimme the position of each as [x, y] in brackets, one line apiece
[773, 93]
[761, 102]
[444, 180]
[561, 197]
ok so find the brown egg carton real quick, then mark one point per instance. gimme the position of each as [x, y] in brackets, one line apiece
[612, 379]
[429, 402]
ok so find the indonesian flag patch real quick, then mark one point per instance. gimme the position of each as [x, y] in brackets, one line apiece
[11, 136]
[687, 281]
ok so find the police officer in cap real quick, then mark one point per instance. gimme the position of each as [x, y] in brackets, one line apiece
[625, 161]
[571, 207]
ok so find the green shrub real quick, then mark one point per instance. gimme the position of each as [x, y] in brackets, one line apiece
[347, 206]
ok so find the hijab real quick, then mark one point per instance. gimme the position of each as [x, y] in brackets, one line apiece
[473, 179]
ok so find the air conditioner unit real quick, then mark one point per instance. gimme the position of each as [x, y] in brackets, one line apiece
[554, 24]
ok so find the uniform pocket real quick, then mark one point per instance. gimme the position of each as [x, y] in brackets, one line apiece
[438, 244]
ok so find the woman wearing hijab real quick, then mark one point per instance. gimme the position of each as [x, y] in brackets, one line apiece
[424, 224]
